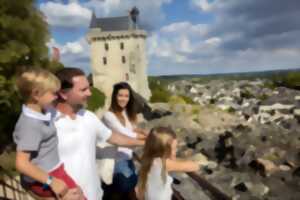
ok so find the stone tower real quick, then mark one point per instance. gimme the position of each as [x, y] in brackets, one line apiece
[118, 53]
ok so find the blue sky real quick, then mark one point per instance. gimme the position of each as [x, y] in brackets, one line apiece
[188, 36]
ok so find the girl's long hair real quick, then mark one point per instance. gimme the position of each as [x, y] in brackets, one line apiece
[115, 108]
[158, 144]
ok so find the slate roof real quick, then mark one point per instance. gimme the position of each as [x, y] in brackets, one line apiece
[112, 23]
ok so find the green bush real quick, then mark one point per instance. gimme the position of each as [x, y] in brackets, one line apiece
[195, 110]
[230, 110]
[187, 99]
[247, 94]
[160, 96]
[97, 100]
[263, 97]
[270, 85]
[176, 100]
[159, 91]
[290, 80]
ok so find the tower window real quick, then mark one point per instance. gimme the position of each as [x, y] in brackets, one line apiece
[127, 77]
[106, 46]
[123, 59]
[121, 45]
[132, 68]
[104, 60]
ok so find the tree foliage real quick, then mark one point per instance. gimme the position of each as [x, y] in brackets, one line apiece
[23, 38]
[289, 80]
[97, 100]
[159, 91]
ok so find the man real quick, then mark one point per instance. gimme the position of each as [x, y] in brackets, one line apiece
[79, 130]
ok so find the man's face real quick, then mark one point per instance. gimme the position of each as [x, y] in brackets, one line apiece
[79, 94]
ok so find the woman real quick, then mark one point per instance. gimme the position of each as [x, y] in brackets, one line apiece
[122, 118]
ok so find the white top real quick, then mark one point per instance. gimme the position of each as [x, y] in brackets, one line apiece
[112, 122]
[77, 140]
[156, 189]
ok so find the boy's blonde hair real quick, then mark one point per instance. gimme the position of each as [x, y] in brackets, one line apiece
[36, 79]
[158, 145]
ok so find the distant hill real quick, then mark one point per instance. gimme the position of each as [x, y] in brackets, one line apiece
[233, 76]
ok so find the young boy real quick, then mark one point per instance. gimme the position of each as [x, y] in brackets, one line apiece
[37, 158]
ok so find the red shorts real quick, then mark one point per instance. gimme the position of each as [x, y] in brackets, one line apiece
[59, 173]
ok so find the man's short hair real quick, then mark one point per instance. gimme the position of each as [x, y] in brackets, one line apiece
[66, 76]
[40, 80]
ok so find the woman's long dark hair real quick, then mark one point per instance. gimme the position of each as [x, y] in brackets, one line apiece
[115, 108]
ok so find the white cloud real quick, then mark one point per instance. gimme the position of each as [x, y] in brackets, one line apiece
[71, 15]
[185, 45]
[177, 40]
[204, 5]
[213, 41]
[74, 54]
[76, 47]
[186, 27]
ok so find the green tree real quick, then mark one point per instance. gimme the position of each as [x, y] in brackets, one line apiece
[23, 38]
[97, 100]
[289, 80]
[158, 90]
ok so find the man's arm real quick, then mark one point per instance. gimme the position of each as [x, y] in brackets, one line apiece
[125, 141]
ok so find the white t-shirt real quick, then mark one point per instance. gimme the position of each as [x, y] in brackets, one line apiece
[112, 122]
[156, 189]
[77, 139]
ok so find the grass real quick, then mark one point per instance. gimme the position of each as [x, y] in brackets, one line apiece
[196, 110]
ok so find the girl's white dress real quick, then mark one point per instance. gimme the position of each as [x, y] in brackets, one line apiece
[156, 189]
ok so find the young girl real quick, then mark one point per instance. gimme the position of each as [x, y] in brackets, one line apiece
[159, 158]
[37, 158]
[121, 118]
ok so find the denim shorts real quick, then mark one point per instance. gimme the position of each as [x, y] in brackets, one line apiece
[125, 177]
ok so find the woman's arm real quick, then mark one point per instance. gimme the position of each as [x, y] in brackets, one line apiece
[24, 166]
[112, 122]
[140, 136]
[124, 141]
[177, 165]
[140, 131]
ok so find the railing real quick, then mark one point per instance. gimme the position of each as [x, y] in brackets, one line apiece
[10, 188]
[215, 193]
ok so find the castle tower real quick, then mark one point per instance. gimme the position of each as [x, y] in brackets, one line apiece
[118, 53]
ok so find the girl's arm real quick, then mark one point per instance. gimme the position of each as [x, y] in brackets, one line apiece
[140, 133]
[140, 136]
[177, 165]
[24, 166]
